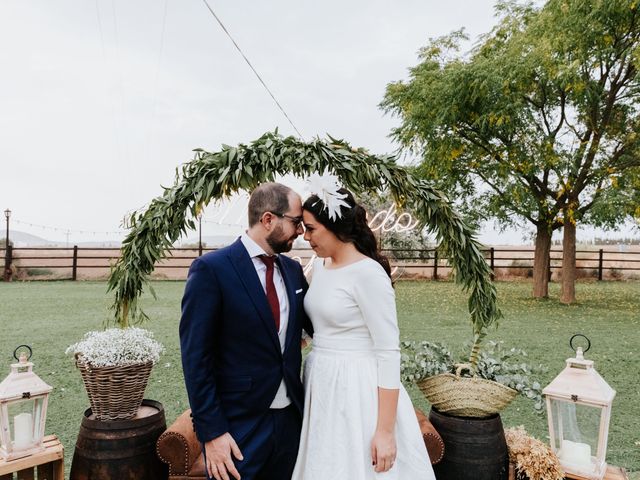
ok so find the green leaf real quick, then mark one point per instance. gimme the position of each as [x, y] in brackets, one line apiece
[224, 174]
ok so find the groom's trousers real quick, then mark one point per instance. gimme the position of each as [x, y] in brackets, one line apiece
[270, 450]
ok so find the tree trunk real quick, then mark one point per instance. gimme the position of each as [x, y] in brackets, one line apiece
[541, 262]
[568, 290]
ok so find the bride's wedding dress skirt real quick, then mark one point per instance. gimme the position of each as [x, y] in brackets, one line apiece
[340, 416]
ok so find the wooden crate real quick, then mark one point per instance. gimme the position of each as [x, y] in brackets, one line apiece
[46, 465]
[613, 473]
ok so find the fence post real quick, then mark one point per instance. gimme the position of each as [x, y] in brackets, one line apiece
[549, 267]
[600, 262]
[8, 259]
[492, 263]
[435, 264]
[74, 271]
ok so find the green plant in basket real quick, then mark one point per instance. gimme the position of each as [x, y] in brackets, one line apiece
[461, 389]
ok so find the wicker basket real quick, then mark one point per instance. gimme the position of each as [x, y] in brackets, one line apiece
[115, 393]
[466, 397]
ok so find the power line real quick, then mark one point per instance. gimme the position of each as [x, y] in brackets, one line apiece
[155, 83]
[114, 114]
[118, 68]
[251, 66]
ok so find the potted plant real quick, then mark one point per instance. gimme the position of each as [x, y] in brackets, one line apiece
[466, 399]
[115, 365]
[466, 390]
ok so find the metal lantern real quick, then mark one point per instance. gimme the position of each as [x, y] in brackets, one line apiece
[579, 411]
[23, 409]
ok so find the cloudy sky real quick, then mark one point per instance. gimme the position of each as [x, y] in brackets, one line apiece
[100, 100]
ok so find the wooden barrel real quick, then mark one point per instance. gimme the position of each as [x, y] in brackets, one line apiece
[121, 449]
[474, 448]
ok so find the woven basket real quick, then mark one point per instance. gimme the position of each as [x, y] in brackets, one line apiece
[466, 397]
[115, 393]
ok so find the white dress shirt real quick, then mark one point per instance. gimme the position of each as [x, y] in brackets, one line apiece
[281, 399]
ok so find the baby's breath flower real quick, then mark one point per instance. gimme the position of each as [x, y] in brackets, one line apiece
[117, 347]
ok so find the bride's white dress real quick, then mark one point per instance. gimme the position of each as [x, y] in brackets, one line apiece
[355, 351]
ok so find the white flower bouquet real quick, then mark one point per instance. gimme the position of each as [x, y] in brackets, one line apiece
[115, 365]
[117, 347]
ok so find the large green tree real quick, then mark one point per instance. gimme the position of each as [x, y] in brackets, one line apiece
[538, 123]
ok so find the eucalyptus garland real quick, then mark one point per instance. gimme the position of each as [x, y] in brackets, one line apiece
[215, 175]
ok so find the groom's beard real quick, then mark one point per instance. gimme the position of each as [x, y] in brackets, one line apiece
[278, 242]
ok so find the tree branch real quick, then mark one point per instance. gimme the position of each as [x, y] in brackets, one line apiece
[504, 196]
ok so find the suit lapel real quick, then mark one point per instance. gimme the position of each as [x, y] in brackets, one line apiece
[293, 307]
[245, 269]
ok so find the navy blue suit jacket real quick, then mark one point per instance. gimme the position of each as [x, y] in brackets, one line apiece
[231, 355]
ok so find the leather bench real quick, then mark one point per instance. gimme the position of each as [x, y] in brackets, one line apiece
[181, 450]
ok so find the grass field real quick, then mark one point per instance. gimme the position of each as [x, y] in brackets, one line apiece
[51, 315]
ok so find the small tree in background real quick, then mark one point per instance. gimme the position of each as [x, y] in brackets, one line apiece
[538, 123]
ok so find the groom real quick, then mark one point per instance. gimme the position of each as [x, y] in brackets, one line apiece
[242, 319]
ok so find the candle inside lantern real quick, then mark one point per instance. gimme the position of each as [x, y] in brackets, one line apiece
[23, 426]
[576, 454]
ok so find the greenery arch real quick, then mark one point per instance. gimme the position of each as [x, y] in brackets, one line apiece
[211, 176]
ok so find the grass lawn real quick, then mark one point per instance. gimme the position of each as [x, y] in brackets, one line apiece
[51, 315]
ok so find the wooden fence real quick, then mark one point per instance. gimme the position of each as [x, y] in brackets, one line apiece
[94, 263]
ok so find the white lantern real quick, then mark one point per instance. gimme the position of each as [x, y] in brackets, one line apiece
[23, 409]
[579, 411]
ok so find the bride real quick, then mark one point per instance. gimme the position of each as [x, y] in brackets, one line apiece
[358, 422]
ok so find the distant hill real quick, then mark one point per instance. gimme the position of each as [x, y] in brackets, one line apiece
[100, 244]
[23, 239]
[209, 240]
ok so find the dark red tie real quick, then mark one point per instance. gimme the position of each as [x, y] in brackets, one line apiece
[272, 295]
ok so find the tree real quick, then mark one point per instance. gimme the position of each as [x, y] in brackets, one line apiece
[539, 123]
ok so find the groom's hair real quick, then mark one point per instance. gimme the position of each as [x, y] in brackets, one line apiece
[268, 197]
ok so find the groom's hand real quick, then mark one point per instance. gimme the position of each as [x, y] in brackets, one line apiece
[218, 454]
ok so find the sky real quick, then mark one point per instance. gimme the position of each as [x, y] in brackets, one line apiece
[101, 100]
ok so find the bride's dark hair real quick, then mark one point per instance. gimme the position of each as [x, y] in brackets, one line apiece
[352, 227]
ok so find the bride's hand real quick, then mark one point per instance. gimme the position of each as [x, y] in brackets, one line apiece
[383, 450]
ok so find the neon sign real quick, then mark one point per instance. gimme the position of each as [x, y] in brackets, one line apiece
[389, 221]
[383, 221]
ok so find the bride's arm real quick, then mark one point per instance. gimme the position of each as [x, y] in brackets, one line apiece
[376, 300]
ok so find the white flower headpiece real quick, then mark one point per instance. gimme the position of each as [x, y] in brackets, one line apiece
[326, 187]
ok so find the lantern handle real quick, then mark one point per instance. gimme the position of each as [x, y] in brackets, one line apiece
[18, 348]
[583, 336]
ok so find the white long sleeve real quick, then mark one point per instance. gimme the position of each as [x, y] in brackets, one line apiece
[356, 303]
[377, 301]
